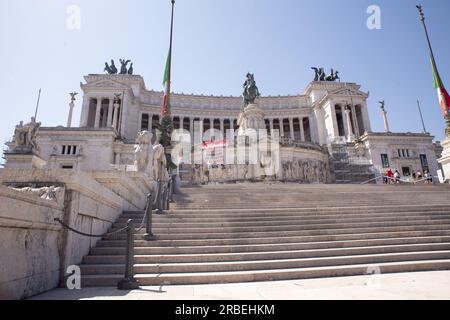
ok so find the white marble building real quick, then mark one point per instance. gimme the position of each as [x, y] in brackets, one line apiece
[330, 115]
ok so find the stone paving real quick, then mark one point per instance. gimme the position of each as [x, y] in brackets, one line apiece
[403, 286]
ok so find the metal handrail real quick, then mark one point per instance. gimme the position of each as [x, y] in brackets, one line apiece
[149, 219]
[128, 282]
[401, 180]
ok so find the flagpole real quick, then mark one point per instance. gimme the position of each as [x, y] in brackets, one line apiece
[166, 123]
[421, 116]
[422, 18]
[37, 105]
[170, 58]
[430, 48]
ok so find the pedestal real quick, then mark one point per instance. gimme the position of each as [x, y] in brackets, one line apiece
[24, 161]
[445, 160]
[251, 119]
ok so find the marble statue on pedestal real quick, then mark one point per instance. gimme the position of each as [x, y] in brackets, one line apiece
[251, 91]
[143, 152]
[25, 137]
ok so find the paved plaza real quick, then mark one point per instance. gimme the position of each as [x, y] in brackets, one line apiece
[403, 286]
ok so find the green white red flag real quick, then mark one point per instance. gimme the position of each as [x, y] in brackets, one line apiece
[444, 98]
[166, 84]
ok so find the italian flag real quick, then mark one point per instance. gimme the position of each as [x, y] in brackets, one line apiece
[166, 84]
[444, 98]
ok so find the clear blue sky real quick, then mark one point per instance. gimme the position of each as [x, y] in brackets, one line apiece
[215, 43]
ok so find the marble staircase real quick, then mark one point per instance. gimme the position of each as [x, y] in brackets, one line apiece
[347, 166]
[265, 232]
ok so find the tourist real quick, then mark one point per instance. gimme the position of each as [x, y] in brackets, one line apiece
[389, 176]
[206, 172]
[419, 176]
[428, 177]
[397, 177]
[414, 175]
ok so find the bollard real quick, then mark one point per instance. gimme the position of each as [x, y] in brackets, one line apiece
[159, 199]
[149, 216]
[168, 197]
[164, 198]
[172, 186]
[129, 282]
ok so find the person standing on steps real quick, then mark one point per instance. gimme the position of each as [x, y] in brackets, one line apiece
[428, 177]
[389, 176]
[397, 177]
[419, 176]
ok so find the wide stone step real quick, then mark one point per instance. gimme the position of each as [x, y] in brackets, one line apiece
[175, 219]
[219, 227]
[287, 231]
[252, 204]
[414, 239]
[268, 255]
[312, 209]
[310, 236]
[111, 280]
[266, 264]
[263, 232]
[311, 213]
[180, 222]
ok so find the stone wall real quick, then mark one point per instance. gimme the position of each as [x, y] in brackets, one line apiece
[35, 251]
[28, 244]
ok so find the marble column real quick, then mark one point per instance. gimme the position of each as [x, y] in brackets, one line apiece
[281, 127]
[222, 128]
[97, 113]
[385, 120]
[182, 123]
[351, 135]
[302, 130]
[355, 120]
[291, 126]
[335, 124]
[211, 127]
[191, 128]
[271, 126]
[85, 111]
[202, 128]
[110, 112]
[150, 122]
[116, 115]
[69, 119]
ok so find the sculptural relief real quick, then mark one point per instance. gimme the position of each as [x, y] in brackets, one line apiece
[50, 193]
